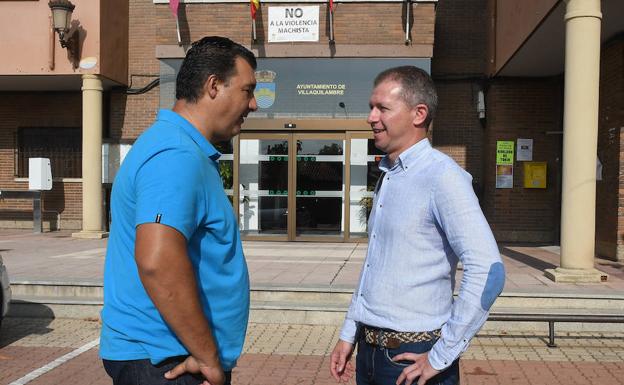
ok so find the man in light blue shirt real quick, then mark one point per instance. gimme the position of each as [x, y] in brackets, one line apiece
[176, 285]
[425, 219]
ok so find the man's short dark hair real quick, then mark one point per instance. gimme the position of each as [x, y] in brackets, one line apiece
[416, 87]
[212, 55]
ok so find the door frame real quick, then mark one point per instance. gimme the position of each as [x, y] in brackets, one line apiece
[346, 134]
[352, 135]
[262, 136]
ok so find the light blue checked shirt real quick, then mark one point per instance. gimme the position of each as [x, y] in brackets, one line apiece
[426, 218]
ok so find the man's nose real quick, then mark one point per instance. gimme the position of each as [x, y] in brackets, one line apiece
[253, 105]
[372, 116]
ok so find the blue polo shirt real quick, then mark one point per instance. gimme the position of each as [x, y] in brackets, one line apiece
[171, 176]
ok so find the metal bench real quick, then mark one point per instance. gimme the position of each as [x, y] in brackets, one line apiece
[561, 315]
[33, 195]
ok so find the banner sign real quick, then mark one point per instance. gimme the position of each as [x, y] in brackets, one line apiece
[288, 24]
[305, 87]
[337, 87]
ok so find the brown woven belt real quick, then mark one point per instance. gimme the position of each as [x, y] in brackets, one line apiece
[392, 340]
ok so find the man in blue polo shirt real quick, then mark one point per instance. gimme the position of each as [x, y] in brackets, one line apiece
[176, 286]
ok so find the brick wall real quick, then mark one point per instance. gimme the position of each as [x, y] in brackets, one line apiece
[461, 38]
[132, 114]
[609, 200]
[361, 23]
[457, 130]
[524, 108]
[457, 67]
[515, 108]
[43, 109]
[152, 24]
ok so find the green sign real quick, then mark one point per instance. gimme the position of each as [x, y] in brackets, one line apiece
[306, 158]
[504, 152]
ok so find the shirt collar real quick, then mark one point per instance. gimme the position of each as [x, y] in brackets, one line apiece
[202, 142]
[407, 158]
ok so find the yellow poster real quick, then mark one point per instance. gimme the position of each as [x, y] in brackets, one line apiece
[504, 152]
[535, 174]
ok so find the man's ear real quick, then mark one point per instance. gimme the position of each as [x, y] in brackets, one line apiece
[419, 115]
[211, 87]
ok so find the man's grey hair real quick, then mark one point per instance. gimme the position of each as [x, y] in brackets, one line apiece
[416, 87]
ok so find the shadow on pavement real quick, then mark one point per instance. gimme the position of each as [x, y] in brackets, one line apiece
[526, 259]
[15, 326]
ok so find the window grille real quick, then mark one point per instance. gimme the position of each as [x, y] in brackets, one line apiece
[62, 145]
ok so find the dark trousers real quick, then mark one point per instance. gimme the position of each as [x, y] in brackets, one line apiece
[142, 372]
[374, 365]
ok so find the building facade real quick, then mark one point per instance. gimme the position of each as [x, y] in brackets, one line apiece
[304, 167]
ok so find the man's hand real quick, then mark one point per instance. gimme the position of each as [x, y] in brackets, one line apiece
[340, 365]
[212, 373]
[421, 368]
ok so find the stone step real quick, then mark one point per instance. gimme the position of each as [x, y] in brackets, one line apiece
[580, 301]
[337, 296]
[301, 295]
[309, 305]
[60, 289]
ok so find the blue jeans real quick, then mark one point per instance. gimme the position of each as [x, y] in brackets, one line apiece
[142, 372]
[374, 365]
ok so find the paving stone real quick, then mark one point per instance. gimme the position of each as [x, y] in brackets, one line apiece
[299, 354]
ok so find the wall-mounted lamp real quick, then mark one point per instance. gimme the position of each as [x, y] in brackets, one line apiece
[61, 16]
[481, 104]
[344, 107]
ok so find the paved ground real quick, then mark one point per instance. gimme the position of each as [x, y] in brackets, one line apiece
[57, 256]
[298, 354]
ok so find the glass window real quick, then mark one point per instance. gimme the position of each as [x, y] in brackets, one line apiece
[226, 167]
[365, 158]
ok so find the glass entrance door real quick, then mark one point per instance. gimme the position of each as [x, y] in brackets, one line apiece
[263, 177]
[291, 186]
[319, 186]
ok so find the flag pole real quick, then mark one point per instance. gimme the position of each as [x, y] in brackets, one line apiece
[173, 6]
[407, 21]
[331, 25]
[254, 5]
[178, 30]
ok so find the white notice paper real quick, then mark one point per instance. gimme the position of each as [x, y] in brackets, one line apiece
[524, 149]
[287, 24]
